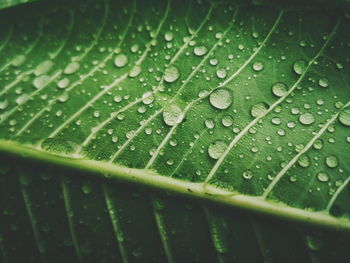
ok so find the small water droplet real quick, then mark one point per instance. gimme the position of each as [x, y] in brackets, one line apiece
[221, 73]
[135, 71]
[41, 81]
[227, 121]
[323, 82]
[19, 60]
[247, 174]
[209, 123]
[63, 83]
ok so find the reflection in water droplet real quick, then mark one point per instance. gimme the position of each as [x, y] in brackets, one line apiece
[220, 99]
[216, 149]
[171, 74]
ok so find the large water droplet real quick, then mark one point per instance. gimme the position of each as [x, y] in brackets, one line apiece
[221, 73]
[121, 60]
[306, 118]
[147, 98]
[200, 50]
[43, 67]
[216, 149]
[258, 66]
[323, 176]
[323, 82]
[135, 71]
[71, 68]
[41, 81]
[332, 161]
[172, 114]
[18, 60]
[259, 109]
[299, 66]
[279, 89]
[344, 116]
[220, 99]
[171, 74]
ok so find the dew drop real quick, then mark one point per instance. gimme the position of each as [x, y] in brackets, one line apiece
[227, 121]
[247, 174]
[172, 115]
[306, 118]
[19, 60]
[200, 50]
[171, 74]
[344, 116]
[209, 123]
[304, 161]
[323, 82]
[258, 66]
[63, 83]
[168, 36]
[135, 71]
[147, 98]
[71, 68]
[41, 81]
[299, 66]
[121, 60]
[220, 99]
[323, 176]
[279, 89]
[221, 73]
[259, 109]
[4, 104]
[331, 161]
[216, 149]
[43, 67]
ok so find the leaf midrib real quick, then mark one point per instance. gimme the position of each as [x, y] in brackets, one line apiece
[202, 191]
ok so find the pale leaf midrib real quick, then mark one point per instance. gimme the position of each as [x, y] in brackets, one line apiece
[195, 190]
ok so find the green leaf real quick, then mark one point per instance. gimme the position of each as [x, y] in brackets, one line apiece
[9, 3]
[108, 109]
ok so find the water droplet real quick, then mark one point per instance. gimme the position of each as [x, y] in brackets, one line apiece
[304, 161]
[121, 60]
[258, 66]
[323, 176]
[306, 118]
[279, 89]
[19, 60]
[168, 36]
[171, 74]
[318, 144]
[299, 66]
[227, 121]
[216, 149]
[200, 50]
[220, 99]
[43, 67]
[41, 81]
[259, 109]
[213, 61]
[221, 73]
[247, 174]
[87, 187]
[63, 83]
[71, 68]
[323, 82]
[4, 104]
[135, 71]
[332, 161]
[147, 98]
[209, 123]
[344, 116]
[172, 114]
